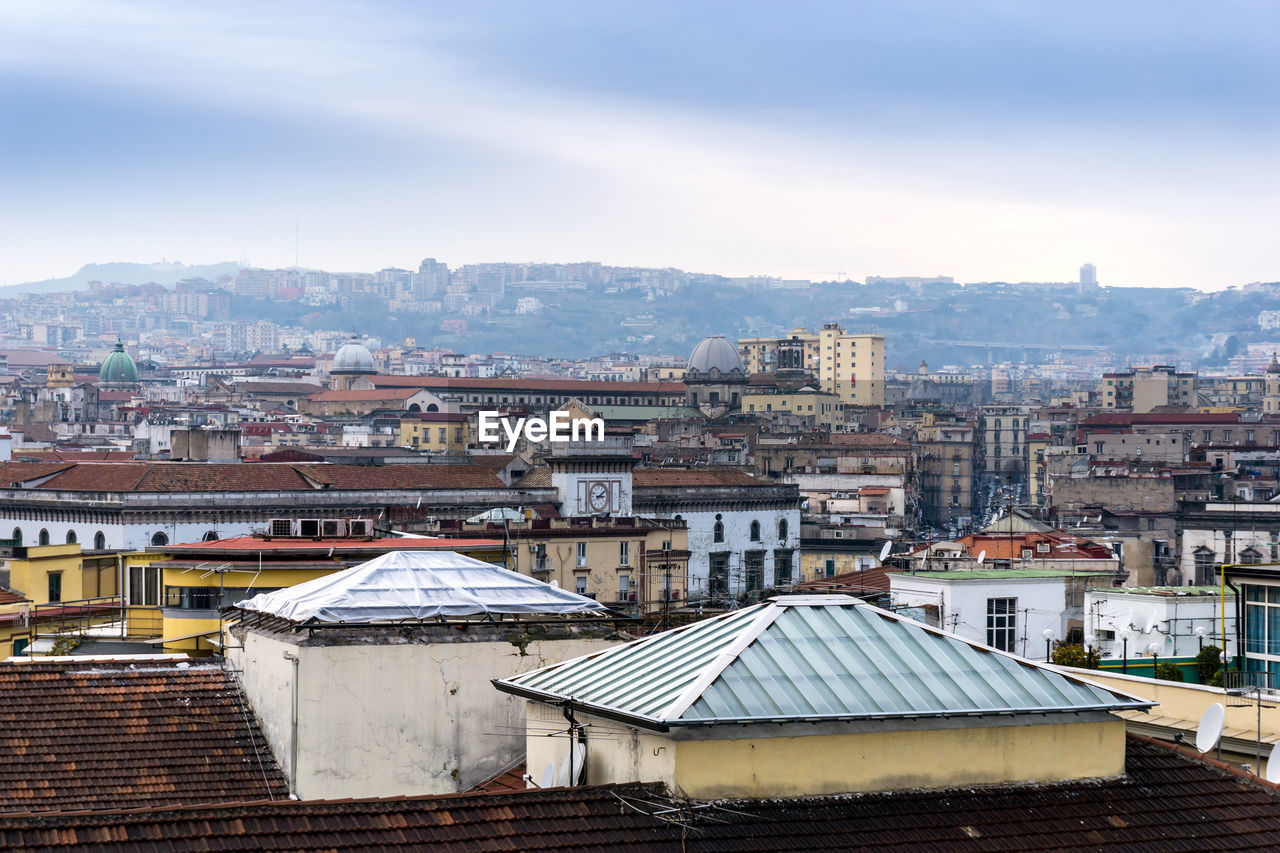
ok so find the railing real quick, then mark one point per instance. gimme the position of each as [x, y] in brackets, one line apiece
[106, 616]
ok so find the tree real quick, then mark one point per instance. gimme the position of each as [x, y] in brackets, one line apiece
[1070, 654]
[1209, 661]
[1168, 671]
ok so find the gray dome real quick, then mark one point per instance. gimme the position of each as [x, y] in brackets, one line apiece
[354, 357]
[715, 353]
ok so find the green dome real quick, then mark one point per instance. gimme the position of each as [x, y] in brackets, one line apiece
[118, 367]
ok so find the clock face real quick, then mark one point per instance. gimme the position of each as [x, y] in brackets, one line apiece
[598, 496]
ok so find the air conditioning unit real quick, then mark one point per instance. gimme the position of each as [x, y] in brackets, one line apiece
[308, 528]
[280, 527]
[359, 527]
[333, 528]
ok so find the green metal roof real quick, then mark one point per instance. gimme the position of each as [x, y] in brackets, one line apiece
[807, 658]
[118, 366]
[1164, 591]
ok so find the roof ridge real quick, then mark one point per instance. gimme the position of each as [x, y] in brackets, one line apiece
[770, 613]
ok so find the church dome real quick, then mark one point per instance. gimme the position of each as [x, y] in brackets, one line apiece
[353, 357]
[118, 366]
[715, 353]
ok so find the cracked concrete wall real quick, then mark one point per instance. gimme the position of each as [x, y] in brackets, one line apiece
[379, 720]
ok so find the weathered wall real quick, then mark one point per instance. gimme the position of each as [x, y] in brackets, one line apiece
[377, 720]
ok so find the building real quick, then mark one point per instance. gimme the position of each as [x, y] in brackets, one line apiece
[949, 459]
[1122, 622]
[436, 432]
[410, 642]
[851, 366]
[1142, 389]
[739, 706]
[715, 379]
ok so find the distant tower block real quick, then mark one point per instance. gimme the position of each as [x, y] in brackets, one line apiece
[1088, 276]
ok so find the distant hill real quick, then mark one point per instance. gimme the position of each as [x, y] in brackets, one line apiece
[166, 273]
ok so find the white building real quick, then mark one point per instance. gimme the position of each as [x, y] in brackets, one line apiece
[1177, 619]
[1006, 609]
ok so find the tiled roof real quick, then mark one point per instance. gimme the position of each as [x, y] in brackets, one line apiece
[240, 477]
[754, 665]
[660, 477]
[1166, 801]
[867, 580]
[538, 477]
[583, 386]
[364, 394]
[121, 735]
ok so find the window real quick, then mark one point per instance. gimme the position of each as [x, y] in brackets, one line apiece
[44, 537]
[755, 531]
[55, 586]
[99, 541]
[624, 553]
[719, 576]
[1002, 623]
[782, 530]
[582, 553]
[71, 537]
[755, 570]
[624, 586]
[210, 535]
[144, 586]
[17, 536]
[1204, 560]
[782, 568]
[159, 539]
[580, 584]
[717, 532]
[829, 568]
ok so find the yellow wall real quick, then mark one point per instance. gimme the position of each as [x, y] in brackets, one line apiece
[832, 764]
[31, 576]
[425, 435]
[602, 568]
[813, 564]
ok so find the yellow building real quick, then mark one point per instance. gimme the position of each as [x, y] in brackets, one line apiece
[825, 408]
[442, 432]
[851, 366]
[629, 563]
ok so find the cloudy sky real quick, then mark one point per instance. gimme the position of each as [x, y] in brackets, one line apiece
[984, 140]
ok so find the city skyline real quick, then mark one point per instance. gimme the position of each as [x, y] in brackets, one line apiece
[987, 143]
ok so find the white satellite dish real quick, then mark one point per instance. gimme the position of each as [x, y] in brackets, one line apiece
[578, 752]
[562, 775]
[1273, 766]
[1150, 623]
[548, 777]
[884, 552]
[1209, 732]
[555, 584]
[982, 555]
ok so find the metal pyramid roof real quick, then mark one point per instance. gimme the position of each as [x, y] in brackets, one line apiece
[808, 658]
[413, 585]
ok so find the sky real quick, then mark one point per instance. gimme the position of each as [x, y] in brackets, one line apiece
[1006, 141]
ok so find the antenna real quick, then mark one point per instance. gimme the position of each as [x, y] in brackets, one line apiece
[884, 551]
[1273, 766]
[548, 777]
[1209, 732]
[982, 555]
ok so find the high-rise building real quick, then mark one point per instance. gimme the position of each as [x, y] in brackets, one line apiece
[1088, 276]
[851, 366]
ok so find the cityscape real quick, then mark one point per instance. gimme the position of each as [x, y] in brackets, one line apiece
[923, 494]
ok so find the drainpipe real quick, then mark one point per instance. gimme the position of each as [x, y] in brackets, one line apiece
[293, 728]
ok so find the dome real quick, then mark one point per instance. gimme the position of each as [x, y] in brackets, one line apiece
[353, 357]
[372, 344]
[715, 353]
[1274, 366]
[118, 366]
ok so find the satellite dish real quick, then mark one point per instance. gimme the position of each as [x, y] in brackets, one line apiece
[982, 555]
[548, 777]
[1209, 732]
[1150, 623]
[555, 584]
[884, 552]
[562, 775]
[1273, 766]
[578, 752]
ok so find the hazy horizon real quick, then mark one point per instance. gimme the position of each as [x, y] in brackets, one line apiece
[986, 141]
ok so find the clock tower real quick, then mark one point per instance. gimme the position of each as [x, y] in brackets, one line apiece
[593, 478]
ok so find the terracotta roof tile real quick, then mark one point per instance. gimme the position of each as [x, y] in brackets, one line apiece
[240, 477]
[1167, 801]
[364, 394]
[660, 477]
[572, 386]
[94, 736]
